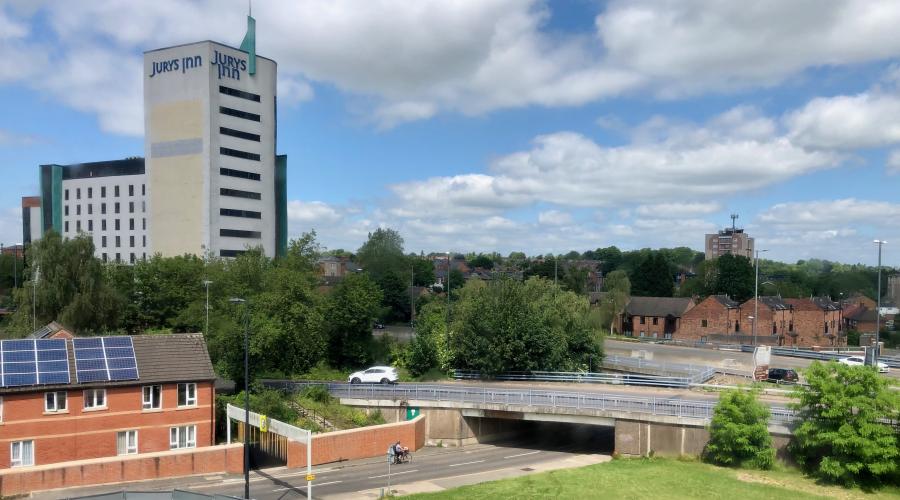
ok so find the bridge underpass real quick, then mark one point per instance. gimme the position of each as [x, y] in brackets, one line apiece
[572, 437]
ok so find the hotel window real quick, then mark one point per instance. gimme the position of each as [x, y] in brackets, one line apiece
[66, 229]
[239, 154]
[90, 225]
[239, 173]
[55, 401]
[103, 208]
[144, 240]
[131, 224]
[152, 397]
[67, 195]
[118, 227]
[103, 241]
[77, 193]
[187, 394]
[103, 225]
[105, 257]
[237, 193]
[103, 191]
[239, 93]
[239, 114]
[66, 210]
[144, 223]
[117, 207]
[183, 437]
[78, 226]
[132, 258]
[21, 453]
[126, 443]
[143, 189]
[116, 191]
[131, 190]
[239, 134]
[230, 212]
[90, 209]
[90, 193]
[131, 242]
[118, 243]
[77, 209]
[239, 233]
[131, 207]
[118, 257]
[94, 398]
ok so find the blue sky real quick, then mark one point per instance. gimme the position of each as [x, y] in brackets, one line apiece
[509, 125]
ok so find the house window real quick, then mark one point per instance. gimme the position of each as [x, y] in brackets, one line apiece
[55, 401]
[94, 398]
[737, 326]
[667, 335]
[21, 453]
[826, 327]
[187, 394]
[152, 397]
[183, 437]
[703, 323]
[643, 320]
[655, 321]
[126, 443]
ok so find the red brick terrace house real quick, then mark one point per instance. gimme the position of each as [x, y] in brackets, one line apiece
[75, 399]
[775, 324]
[655, 317]
[714, 319]
[817, 322]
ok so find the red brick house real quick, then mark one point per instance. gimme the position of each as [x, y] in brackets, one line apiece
[655, 317]
[169, 405]
[775, 324]
[817, 321]
[714, 319]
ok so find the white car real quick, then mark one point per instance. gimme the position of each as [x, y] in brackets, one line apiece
[860, 361]
[375, 375]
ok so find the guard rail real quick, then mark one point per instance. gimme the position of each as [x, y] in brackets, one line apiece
[892, 362]
[590, 378]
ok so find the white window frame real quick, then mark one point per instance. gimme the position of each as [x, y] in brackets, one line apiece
[147, 403]
[15, 459]
[188, 432]
[189, 398]
[130, 449]
[90, 396]
[55, 408]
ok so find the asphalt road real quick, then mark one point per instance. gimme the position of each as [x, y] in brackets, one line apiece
[447, 466]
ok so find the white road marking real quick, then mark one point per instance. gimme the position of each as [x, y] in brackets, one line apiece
[522, 454]
[467, 463]
[394, 474]
[304, 486]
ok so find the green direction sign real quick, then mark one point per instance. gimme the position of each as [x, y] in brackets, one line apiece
[412, 412]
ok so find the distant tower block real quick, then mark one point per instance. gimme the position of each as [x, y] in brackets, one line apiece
[729, 240]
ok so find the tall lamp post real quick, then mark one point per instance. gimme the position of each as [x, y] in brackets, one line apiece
[246, 395]
[880, 243]
[206, 283]
[756, 296]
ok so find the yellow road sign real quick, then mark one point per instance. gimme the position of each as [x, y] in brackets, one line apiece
[263, 423]
[310, 477]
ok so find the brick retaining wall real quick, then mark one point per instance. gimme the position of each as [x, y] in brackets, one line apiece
[365, 442]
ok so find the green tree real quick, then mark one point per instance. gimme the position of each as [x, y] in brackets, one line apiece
[351, 310]
[735, 277]
[653, 277]
[842, 436]
[423, 271]
[483, 261]
[395, 299]
[507, 325]
[611, 258]
[618, 293]
[739, 432]
[422, 354]
[575, 278]
[382, 254]
[457, 279]
[71, 287]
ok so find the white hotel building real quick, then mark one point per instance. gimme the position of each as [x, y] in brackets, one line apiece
[210, 182]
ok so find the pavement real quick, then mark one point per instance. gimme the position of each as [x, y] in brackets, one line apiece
[431, 469]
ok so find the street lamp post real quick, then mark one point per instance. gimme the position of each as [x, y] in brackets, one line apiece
[246, 396]
[880, 243]
[16, 266]
[756, 296]
[206, 283]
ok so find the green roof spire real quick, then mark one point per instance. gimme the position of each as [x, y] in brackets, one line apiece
[249, 43]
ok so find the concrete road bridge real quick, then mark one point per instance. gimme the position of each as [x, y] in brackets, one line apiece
[458, 414]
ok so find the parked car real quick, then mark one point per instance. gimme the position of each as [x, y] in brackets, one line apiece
[783, 375]
[860, 361]
[379, 326]
[375, 375]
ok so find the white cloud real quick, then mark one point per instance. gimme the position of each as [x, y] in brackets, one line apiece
[9, 138]
[829, 213]
[554, 218]
[893, 162]
[869, 119]
[315, 212]
[293, 91]
[11, 226]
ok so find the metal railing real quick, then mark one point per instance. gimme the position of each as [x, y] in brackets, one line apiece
[821, 356]
[665, 369]
[682, 408]
[590, 378]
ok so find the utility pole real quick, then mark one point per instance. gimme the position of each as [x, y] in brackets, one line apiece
[755, 290]
[880, 243]
[206, 283]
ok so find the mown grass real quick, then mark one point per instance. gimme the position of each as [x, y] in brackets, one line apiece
[658, 479]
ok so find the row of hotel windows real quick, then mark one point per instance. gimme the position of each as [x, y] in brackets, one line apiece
[21, 453]
[118, 258]
[116, 224]
[116, 208]
[90, 191]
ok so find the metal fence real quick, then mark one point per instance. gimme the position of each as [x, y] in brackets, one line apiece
[684, 408]
[821, 356]
[590, 378]
[695, 372]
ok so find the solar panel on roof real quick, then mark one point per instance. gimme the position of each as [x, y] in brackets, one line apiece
[105, 359]
[33, 362]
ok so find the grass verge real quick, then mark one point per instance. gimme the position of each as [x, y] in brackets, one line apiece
[658, 478]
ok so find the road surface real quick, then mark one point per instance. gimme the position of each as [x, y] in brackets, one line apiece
[430, 469]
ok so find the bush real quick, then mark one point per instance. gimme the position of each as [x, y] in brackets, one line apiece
[317, 393]
[739, 433]
[842, 436]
